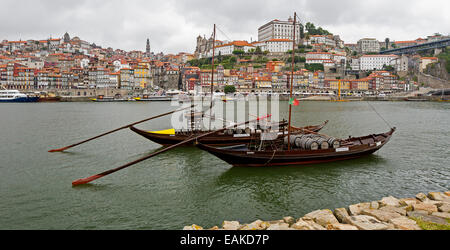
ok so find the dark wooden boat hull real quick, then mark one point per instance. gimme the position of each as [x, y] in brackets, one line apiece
[239, 156]
[50, 99]
[212, 140]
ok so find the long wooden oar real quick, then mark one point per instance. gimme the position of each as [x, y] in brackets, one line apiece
[97, 176]
[115, 130]
[315, 133]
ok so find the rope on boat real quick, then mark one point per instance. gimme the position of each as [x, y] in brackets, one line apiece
[373, 108]
[271, 158]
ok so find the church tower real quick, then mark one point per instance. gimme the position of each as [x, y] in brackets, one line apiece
[66, 38]
[147, 49]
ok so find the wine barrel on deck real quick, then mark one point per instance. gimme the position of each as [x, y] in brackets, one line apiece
[334, 143]
[323, 143]
[292, 140]
[307, 143]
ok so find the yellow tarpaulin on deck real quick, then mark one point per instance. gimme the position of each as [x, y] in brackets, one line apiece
[164, 132]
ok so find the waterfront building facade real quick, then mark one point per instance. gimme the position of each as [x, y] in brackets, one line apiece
[368, 45]
[424, 61]
[376, 62]
[277, 29]
[278, 45]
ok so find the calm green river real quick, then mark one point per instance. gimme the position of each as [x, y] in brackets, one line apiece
[186, 185]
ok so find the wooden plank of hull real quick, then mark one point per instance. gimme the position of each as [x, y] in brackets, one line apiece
[212, 140]
[247, 158]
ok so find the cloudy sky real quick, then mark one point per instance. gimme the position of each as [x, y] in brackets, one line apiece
[173, 25]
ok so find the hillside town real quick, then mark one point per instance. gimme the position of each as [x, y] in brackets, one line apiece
[323, 64]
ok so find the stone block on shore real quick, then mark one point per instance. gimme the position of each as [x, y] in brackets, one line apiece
[322, 217]
[356, 209]
[430, 208]
[444, 207]
[380, 214]
[428, 218]
[422, 197]
[289, 220]
[193, 227]
[366, 222]
[256, 225]
[305, 224]
[275, 221]
[442, 215]
[389, 201]
[374, 205]
[342, 215]
[281, 226]
[408, 201]
[339, 226]
[399, 210]
[437, 196]
[404, 223]
[231, 225]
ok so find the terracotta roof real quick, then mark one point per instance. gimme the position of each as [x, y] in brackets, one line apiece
[236, 43]
[279, 40]
[328, 53]
[380, 55]
[398, 42]
[17, 42]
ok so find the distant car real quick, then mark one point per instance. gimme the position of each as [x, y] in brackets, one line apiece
[382, 95]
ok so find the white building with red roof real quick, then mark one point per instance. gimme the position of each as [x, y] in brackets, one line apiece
[277, 29]
[278, 45]
[228, 48]
[371, 62]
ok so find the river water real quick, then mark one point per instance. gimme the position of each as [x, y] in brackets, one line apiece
[186, 185]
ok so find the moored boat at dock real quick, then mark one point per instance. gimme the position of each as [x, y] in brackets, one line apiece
[225, 138]
[277, 153]
[48, 97]
[148, 98]
[102, 98]
[16, 96]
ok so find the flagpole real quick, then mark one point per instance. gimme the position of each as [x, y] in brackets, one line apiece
[292, 83]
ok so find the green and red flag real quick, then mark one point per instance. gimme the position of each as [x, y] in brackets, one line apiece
[294, 102]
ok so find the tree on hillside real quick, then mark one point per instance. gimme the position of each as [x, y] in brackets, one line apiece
[312, 30]
[314, 66]
[258, 50]
[238, 52]
[302, 31]
[229, 89]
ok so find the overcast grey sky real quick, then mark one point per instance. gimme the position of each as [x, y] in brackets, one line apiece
[173, 25]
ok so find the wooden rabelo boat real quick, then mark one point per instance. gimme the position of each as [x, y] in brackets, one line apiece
[293, 149]
[226, 138]
[276, 153]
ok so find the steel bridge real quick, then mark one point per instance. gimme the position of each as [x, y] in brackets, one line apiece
[420, 47]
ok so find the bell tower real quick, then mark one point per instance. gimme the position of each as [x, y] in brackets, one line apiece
[147, 49]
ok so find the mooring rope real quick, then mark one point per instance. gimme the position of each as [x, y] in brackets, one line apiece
[271, 158]
[379, 115]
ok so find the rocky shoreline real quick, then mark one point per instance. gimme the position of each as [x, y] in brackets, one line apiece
[422, 212]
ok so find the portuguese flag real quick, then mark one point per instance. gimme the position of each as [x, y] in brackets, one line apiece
[294, 102]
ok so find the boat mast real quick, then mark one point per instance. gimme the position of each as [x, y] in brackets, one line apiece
[212, 75]
[339, 90]
[292, 82]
